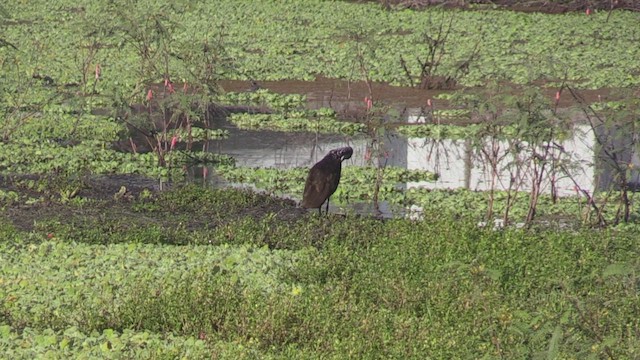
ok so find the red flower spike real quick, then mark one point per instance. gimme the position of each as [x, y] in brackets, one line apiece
[149, 95]
[174, 140]
[170, 87]
[369, 102]
[98, 71]
[557, 96]
[588, 12]
[429, 103]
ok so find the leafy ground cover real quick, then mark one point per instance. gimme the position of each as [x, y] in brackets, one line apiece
[109, 267]
[299, 40]
[250, 284]
[75, 82]
[359, 184]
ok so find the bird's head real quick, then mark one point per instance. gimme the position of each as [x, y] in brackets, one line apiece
[343, 153]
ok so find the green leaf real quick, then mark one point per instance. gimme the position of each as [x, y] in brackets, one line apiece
[617, 269]
[552, 350]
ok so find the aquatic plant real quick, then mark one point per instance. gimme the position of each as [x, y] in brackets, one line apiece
[262, 285]
[301, 41]
[307, 121]
[357, 183]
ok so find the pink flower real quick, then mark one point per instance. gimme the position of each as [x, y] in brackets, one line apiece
[588, 12]
[50, 236]
[369, 102]
[174, 140]
[429, 103]
[149, 95]
[169, 86]
[557, 96]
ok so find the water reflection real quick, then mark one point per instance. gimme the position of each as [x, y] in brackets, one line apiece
[462, 164]
[459, 163]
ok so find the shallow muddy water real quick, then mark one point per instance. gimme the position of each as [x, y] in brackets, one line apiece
[347, 96]
[458, 163]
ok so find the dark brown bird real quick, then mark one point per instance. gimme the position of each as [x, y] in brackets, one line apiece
[323, 179]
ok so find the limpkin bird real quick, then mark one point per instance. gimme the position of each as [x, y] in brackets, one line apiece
[323, 179]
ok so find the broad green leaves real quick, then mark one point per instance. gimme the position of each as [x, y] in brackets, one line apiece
[283, 40]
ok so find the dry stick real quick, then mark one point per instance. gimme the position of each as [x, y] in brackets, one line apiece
[493, 163]
[537, 181]
[134, 148]
[379, 177]
[610, 153]
[590, 201]
[517, 180]
[493, 159]
[365, 73]
[407, 73]
[610, 11]
[86, 63]
[535, 191]
[592, 326]
[441, 40]
[428, 67]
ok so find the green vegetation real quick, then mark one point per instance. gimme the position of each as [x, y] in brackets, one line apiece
[310, 121]
[95, 268]
[310, 287]
[81, 81]
[356, 184]
[285, 113]
[29, 344]
[299, 40]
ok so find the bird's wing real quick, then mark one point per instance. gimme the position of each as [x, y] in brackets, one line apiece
[318, 188]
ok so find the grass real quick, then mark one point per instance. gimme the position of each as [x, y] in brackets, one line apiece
[282, 283]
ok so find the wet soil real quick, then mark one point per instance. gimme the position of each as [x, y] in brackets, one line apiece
[347, 97]
[116, 200]
[543, 6]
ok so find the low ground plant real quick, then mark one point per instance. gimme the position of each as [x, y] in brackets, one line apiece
[314, 287]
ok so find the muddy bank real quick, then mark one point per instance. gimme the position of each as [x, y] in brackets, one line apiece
[129, 202]
[549, 7]
[348, 95]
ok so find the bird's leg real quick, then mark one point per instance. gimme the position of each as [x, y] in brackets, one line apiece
[326, 210]
[320, 210]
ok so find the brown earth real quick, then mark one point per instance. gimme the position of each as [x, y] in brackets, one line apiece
[545, 6]
[347, 97]
[111, 199]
